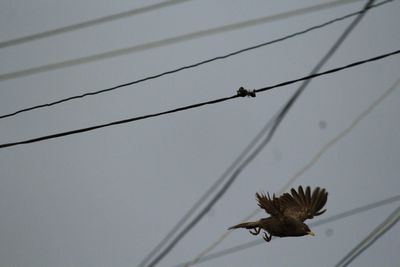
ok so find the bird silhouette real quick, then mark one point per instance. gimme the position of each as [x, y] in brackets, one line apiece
[288, 213]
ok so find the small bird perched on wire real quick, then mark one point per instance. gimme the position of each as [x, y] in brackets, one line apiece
[288, 213]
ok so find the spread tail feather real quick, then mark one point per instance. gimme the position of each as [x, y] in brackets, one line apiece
[247, 225]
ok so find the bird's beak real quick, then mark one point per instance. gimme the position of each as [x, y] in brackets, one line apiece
[311, 233]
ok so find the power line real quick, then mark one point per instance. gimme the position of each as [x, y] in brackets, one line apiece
[88, 23]
[389, 222]
[294, 97]
[81, 130]
[203, 198]
[342, 134]
[275, 123]
[328, 71]
[155, 44]
[260, 241]
[188, 66]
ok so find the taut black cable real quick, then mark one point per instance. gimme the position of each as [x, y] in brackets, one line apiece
[189, 66]
[328, 71]
[57, 135]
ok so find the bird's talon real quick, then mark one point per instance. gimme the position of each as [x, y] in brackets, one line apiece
[266, 237]
[256, 231]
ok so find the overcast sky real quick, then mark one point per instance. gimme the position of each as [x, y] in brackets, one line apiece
[107, 197]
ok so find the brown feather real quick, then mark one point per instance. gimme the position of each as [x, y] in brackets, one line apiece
[271, 206]
[308, 195]
[247, 225]
[303, 205]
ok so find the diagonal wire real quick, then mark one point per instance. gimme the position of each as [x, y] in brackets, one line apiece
[342, 134]
[257, 150]
[210, 190]
[142, 47]
[287, 106]
[88, 23]
[388, 223]
[188, 66]
[264, 89]
[332, 218]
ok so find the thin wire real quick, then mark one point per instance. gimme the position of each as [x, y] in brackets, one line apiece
[88, 23]
[188, 66]
[342, 134]
[267, 139]
[291, 101]
[309, 77]
[147, 46]
[81, 130]
[332, 218]
[389, 222]
[209, 191]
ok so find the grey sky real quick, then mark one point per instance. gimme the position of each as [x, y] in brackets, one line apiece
[106, 198]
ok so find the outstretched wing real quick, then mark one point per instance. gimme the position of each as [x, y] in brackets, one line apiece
[303, 205]
[270, 205]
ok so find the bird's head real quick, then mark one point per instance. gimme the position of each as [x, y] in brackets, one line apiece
[298, 228]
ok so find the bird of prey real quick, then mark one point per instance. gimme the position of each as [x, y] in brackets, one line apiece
[288, 213]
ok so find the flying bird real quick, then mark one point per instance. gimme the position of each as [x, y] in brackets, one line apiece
[288, 213]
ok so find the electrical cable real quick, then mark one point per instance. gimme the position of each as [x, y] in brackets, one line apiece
[189, 66]
[81, 130]
[260, 241]
[146, 46]
[209, 191]
[388, 223]
[266, 140]
[88, 23]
